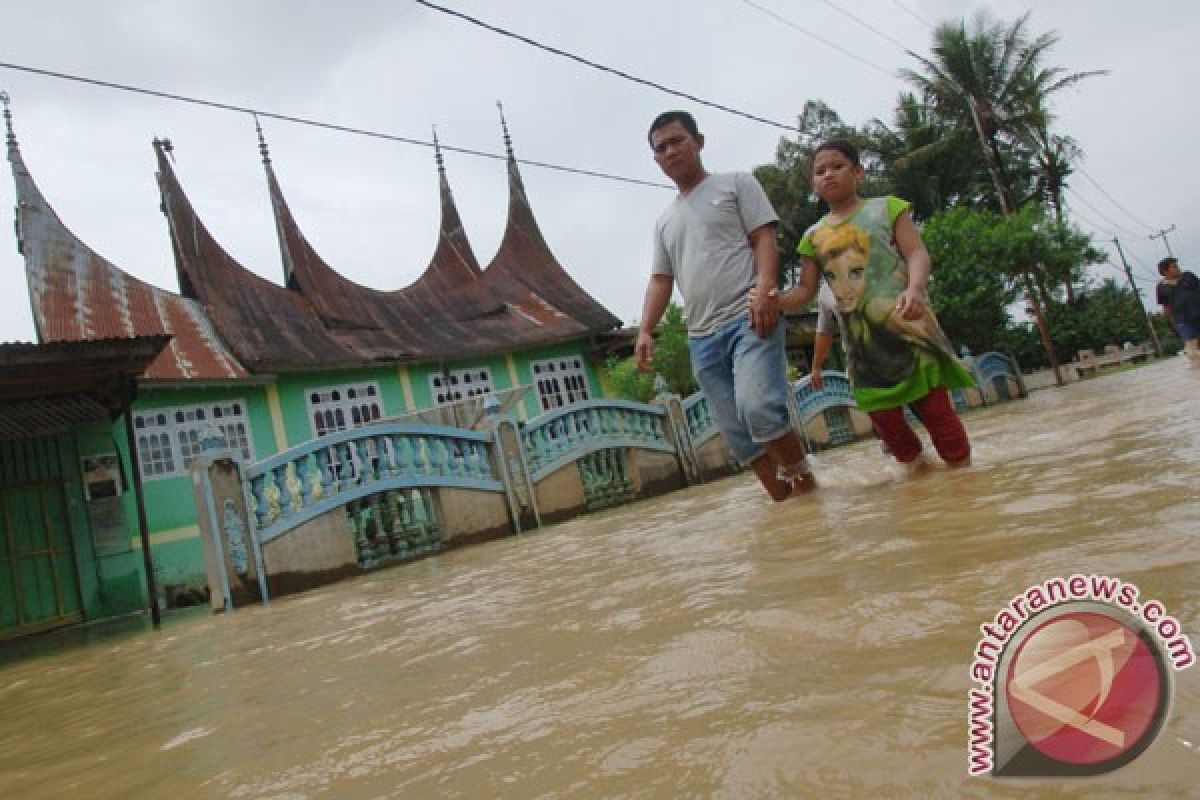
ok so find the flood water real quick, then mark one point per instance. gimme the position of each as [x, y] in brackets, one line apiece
[702, 644]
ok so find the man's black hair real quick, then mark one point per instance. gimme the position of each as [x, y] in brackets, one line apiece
[667, 117]
[1165, 265]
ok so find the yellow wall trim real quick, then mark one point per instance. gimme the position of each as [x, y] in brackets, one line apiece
[281, 442]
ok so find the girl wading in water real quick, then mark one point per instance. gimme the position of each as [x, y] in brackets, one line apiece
[876, 270]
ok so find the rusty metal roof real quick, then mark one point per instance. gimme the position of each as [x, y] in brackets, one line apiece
[51, 388]
[77, 295]
[227, 322]
[268, 327]
[453, 309]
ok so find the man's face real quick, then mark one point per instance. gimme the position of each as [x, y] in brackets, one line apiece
[846, 274]
[1172, 273]
[676, 151]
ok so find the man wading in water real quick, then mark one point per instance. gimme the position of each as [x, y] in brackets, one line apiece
[718, 240]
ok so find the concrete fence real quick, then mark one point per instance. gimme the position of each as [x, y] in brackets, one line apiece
[385, 493]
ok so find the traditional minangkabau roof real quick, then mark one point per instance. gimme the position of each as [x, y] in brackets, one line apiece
[227, 322]
[454, 309]
[525, 270]
[77, 295]
[269, 327]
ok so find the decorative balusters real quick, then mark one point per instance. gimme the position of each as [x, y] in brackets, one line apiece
[418, 453]
[258, 489]
[304, 471]
[404, 456]
[385, 466]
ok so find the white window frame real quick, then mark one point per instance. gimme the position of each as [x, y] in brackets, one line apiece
[342, 407]
[459, 384]
[560, 381]
[168, 439]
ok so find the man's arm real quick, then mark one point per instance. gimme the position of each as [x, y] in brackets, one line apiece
[764, 304]
[658, 295]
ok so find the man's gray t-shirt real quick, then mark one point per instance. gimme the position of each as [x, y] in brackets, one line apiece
[702, 241]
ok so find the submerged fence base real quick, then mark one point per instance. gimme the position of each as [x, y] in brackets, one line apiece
[382, 494]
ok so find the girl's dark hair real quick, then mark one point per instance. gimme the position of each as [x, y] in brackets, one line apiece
[842, 146]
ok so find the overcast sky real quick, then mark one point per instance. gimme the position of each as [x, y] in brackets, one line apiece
[370, 206]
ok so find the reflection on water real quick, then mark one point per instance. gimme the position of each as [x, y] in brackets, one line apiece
[704, 644]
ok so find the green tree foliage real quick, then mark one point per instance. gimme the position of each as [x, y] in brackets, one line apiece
[991, 78]
[1101, 315]
[970, 293]
[672, 360]
[979, 257]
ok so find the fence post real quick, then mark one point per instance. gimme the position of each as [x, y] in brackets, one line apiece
[232, 552]
[509, 453]
[677, 431]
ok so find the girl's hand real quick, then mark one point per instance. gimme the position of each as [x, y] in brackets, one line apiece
[912, 303]
[815, 379]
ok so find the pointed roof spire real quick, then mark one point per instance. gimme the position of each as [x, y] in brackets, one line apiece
[508, 148]
[437, 154]
[10, 138]
[262, 142]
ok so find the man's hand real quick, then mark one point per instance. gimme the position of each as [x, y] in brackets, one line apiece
[644, 351]
[764, 311]
[816, 380]
[911, 303]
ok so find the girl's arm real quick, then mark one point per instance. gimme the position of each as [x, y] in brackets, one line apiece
[821, 345]
[805, 289]
[914, 300]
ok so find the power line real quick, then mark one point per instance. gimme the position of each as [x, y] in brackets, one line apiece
[1112, 199]
[1103, 216]
[780, 18]
[870, 27]
[1106, 235]
[319, 124]
[914, 14]
[603, 68]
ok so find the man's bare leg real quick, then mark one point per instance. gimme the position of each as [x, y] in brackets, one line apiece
[768, 476]
[787, 452]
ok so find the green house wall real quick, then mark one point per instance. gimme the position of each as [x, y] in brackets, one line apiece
[115, 584]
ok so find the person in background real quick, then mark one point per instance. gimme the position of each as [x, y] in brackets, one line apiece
[1179, 295]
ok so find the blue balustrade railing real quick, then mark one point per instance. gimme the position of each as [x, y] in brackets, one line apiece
[810, 401]
[698, 415]
[308, 480]
[990, 366]
[566, 434]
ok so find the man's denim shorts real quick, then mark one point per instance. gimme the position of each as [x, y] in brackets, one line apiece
[744, 377]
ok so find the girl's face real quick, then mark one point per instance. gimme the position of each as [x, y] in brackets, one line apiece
[846, 275]
[835, 177]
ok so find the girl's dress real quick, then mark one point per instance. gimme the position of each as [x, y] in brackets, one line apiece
[892, 361]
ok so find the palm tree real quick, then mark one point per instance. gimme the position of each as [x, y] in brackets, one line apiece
[992, 79]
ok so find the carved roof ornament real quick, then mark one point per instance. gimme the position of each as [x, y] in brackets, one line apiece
[508, 148]
[437, 153]
[262, 142]
[10, 138]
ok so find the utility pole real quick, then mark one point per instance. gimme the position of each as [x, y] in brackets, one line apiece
[1138, 297]
[1162, 234]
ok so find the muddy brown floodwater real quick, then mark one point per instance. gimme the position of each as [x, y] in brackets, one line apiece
[702, 644]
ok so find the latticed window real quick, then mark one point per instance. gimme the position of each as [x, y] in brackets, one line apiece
[339, 408]
[168, 439]
[457, 384]
[560, 381]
